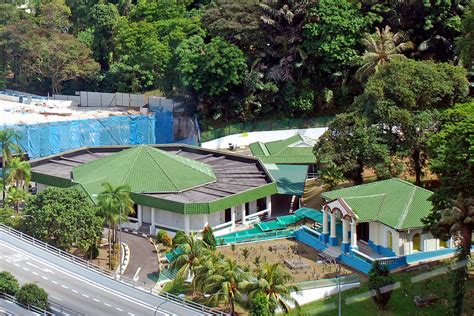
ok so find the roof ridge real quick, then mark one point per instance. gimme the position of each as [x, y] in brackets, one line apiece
[140, 148]
[162, 169]
[412, 185]
[364, 196]
[405, 209]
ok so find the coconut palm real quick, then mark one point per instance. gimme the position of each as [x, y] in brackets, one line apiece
[193, 252]
[458, 220]
[226, 284]
[204, 270]
[381, 47]
[19, 172]
[15, 197]
[115, 205]
[8, 143]
[275, 283]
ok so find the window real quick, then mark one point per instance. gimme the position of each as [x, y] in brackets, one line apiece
[389, 240]
[247, 208]
[227, 215]
[416, 242]
[261, 204]
[135, 212]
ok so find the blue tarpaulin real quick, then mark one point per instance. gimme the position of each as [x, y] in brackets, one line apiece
[40, 140]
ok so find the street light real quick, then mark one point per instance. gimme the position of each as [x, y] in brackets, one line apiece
[180, 296]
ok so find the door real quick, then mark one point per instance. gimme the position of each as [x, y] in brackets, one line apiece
[363, 231]
[416, 242]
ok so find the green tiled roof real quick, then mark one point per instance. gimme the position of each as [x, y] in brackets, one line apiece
[297, 149]
[393, 202]
[144, 169]
[290, 179]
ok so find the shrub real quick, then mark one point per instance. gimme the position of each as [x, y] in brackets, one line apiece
[179, 238]
[93, 252]
[161, 234]
[167, 241]
[32, 294]
[208, 237]
[259, 305]
[8, 283]
[379, 281]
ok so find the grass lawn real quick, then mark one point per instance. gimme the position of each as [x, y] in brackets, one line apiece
[401, 301]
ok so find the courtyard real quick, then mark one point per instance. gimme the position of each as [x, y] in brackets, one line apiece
[301, 261]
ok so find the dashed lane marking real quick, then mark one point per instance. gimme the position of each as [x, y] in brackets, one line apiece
[77, 292]
[119, 309]
[43, 277]
[54, 282]
[35, 273]
[107, 304]
[26, 269]
[65, 286]
[96, 300]
[85, 295]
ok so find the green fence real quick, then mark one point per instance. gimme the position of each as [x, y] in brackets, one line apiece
[270, 125]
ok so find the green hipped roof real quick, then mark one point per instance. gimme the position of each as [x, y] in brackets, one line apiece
[290, 179]
[297, 149]
[393, 202]
[145, 169]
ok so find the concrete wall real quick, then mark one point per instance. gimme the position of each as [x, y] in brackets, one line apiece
[378, 234]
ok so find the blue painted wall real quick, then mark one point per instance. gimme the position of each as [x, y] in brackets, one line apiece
[381, 250]
[309, 239]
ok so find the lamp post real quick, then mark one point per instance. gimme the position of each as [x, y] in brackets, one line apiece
[180, 296]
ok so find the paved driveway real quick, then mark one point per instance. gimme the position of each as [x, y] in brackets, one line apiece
[143, 265]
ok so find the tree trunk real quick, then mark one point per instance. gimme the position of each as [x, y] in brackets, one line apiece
[358, 178]
[232, 307]
[417, 166]
[110, 252]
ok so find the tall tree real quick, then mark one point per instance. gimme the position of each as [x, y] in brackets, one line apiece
[19, 172]
[465, 43]
[54, 15]
[8, 142]
[193, 252]
[352, 145]
[381, 47]
[15, 197]
[103, 19]
[274, 282]
[62, 218]
[226, 285]
[115, 205]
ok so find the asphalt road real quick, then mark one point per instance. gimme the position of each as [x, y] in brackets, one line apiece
[143, 261]
[67, 289]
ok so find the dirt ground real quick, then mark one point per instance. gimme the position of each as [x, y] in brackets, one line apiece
[291, 250]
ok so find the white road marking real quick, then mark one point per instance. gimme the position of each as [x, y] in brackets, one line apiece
[77, 292]
[96, 300]
[42, 269]
[131, 314]
[56, 298]
[107, 304]
[135, 277]
[26, 269]
[119, 309]
[77, 277]
[17, 265]
[65, 286]
[54, 282]
[85, 295]
[35, 273]
[43, 277]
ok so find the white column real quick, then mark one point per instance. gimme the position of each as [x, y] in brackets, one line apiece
[186, 223]
[325, 222]
[152, 227]
[232, 216]
[345, 231]
[206, 220]
[140, 214]
[269, 205]
[354, 235]
[242, 209]
[333, 226]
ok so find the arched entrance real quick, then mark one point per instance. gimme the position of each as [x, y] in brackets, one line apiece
[416, 242]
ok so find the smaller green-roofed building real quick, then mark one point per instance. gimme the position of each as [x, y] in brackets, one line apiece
[289, 161]
[384, 215]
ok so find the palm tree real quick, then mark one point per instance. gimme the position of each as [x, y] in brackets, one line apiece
[381, 47]
[19, 172]
[115, 205]
[458, 221]
[226, 284]
[194, 251]
[274, 282]
[8, 140]
[204, 270]
[16, 197]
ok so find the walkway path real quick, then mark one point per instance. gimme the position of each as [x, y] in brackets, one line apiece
[143, 262]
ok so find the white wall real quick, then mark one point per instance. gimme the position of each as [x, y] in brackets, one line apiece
[378, 233]
[146, 214]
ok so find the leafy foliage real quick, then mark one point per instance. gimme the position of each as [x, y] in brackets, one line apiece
[32, 294]
[62, 218]
[380, 281]
[465, 44]
[8, 283]
[259, 305]
[208, 237]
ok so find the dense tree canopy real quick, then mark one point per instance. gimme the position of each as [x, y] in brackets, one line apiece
[62, 218]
